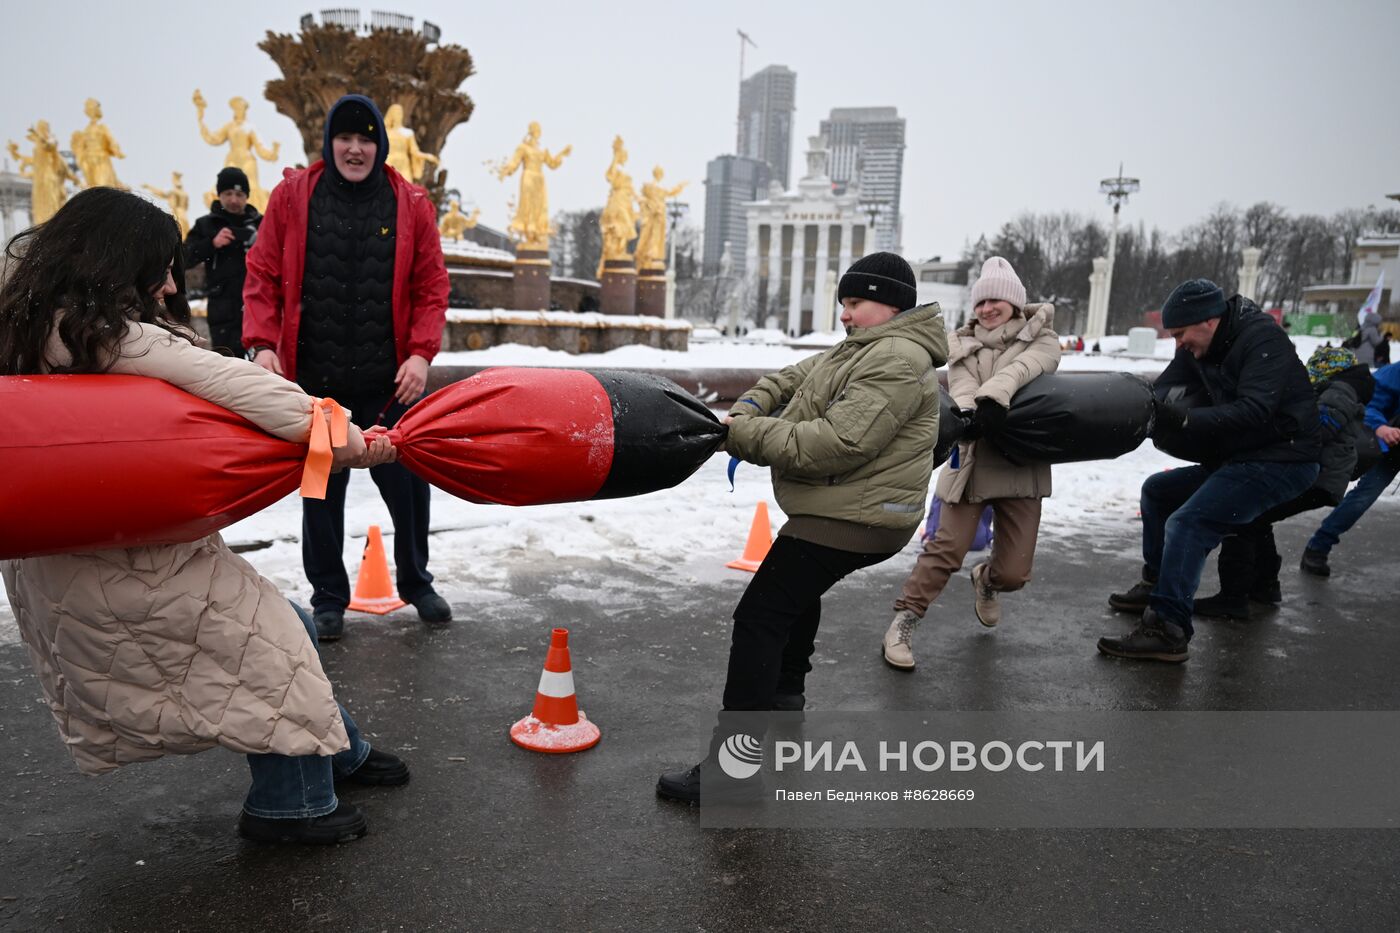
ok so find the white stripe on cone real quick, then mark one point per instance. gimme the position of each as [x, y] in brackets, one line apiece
[556, 684]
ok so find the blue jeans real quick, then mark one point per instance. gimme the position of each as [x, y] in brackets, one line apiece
[289, 787]
[1354, 505]
[1186, 513]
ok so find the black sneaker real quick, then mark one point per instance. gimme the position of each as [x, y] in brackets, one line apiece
[433, 609]
[680, 785]
[1152, 640]
[330, 624]
[1222, 606]
[379, 769]
[345, 824]
[684, 786]
[1315, 563]
[1134, 600]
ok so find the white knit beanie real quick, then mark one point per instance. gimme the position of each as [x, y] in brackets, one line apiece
[998, 281]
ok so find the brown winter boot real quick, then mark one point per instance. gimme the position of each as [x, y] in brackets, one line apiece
[984, 597]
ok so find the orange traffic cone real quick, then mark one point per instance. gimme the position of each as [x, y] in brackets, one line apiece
[556, 725]
[374, 591]
[760, 540]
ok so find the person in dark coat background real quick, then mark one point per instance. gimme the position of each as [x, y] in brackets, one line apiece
[1382, 413]
[1235, 399]
[221, 240]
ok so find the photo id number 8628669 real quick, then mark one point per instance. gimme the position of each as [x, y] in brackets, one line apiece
[939, 794]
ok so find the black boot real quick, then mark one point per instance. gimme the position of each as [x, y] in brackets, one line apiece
[733, 768]
[1267, 564]
[684, 786]
[345, 824]
[1135, 599]
[1236, 565]
[1153, 640]
[1315, 563]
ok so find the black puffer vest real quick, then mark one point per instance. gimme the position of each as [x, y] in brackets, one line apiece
[345, 345]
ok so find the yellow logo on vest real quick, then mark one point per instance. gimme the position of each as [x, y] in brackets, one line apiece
[383, 232]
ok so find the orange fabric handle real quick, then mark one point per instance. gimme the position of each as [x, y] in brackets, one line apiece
[329, 429]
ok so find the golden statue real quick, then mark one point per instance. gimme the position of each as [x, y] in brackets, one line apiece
[95, 148]
[455, 223]
[244, 147]
[619, 217]
[404, 155]
[178, 200]
[651, 243]
[47, 172]
[531, 222]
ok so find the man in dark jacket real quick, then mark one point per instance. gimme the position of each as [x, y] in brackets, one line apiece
[221, 240]
[1237, 400]
[347, 296]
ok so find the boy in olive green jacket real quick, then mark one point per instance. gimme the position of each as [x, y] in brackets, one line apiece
[849, 435]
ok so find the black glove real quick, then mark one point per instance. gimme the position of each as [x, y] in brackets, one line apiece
[1167, 417]
[991, 416]
[971, 426]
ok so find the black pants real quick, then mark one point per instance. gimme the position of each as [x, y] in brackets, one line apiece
[226, 327]
[1249, 560]
[775, 623]
[323, 522]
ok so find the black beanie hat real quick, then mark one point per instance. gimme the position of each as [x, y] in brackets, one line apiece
[882, 277]
[351, 116]
[1192, 302]
[231, 179]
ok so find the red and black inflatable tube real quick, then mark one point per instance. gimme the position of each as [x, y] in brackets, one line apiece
[96, 462]
[518, 436]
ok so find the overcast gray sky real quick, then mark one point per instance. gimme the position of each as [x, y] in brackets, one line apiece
[1010, 107]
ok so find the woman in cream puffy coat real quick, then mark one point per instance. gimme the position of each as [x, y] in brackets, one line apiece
[1007, 345]
[172, 649]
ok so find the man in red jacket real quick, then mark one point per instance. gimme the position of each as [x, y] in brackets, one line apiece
[346, 295]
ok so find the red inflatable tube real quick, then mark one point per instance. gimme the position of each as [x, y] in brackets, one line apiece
[95, 462]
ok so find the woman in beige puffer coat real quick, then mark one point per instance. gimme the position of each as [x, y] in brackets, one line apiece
[1007, 345]
[173, 649]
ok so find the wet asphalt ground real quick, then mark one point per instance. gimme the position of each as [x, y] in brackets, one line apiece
[490, 837]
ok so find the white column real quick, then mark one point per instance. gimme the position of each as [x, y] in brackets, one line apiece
[820, 309]
[1098, 300]
[775, 269]
[799, 257]
[844, 261]
[1249, 271]
[826, 322]
[751, 248]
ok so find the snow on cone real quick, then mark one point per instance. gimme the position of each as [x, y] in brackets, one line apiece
[556, 725]
[760, 540]
[374, 589]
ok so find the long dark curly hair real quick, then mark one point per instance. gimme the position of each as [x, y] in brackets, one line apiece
[91, 268]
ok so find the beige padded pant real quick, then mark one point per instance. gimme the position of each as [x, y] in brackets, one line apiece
[1015, 523]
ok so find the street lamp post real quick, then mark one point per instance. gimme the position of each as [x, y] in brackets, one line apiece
[1117, 190]
[872, 209]
[675, 210]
